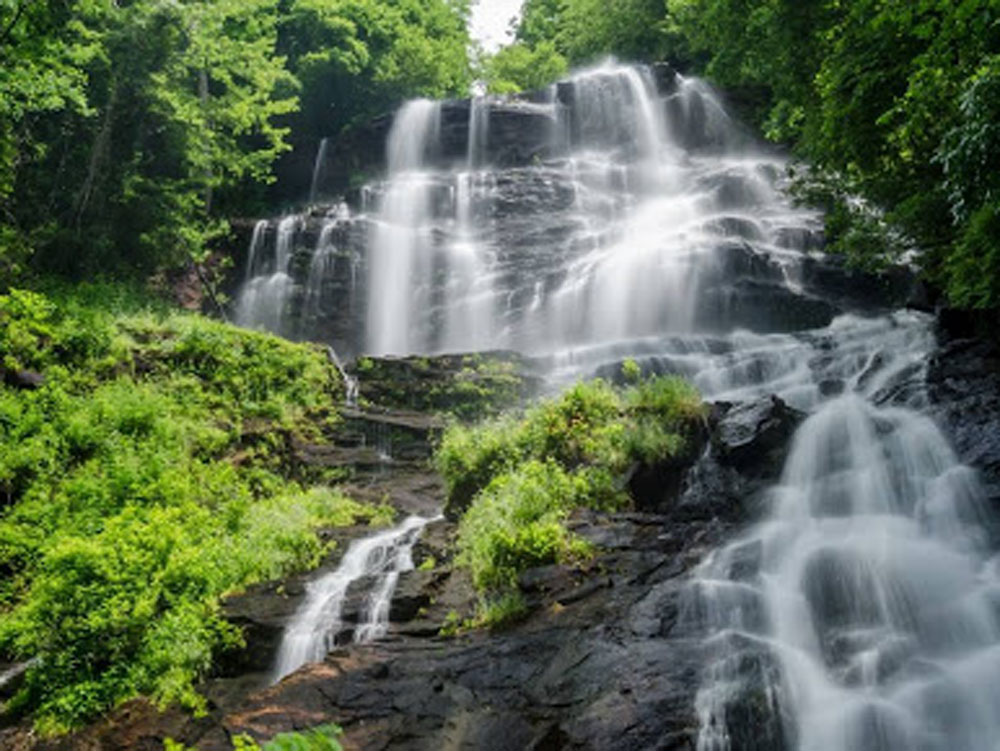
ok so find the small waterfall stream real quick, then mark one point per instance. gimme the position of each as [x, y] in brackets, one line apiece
[862, 611]
[318, 166]
[375, 562]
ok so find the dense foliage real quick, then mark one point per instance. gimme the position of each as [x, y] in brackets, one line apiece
[553, 35]
[130, 131]
[895, 102]
[522, 67]
[514, 480]
[145, 477]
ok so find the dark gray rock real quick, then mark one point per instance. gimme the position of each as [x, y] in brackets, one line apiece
[23, 379]
[414, 592]
[753, 437]
[963, 383]
[574, 675]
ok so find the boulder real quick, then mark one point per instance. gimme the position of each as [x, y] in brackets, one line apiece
[963, 384]
[414, 592]
[753, 437]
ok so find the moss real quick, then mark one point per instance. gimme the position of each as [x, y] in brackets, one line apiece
[467, 387]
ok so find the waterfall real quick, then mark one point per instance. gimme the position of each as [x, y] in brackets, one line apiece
[479, 132]
[468, 314]
[283, 243]
[625, 213]
[372, 564]
[256, 247]
[616, 106]
[865, 606]
[263, 300]
[399, 262]
[317, 172]
[644, 209]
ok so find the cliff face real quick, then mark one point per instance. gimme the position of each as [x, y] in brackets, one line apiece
[622, 203]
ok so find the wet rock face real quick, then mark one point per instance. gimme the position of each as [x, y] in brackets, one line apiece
[468, 386]
[594, 667]
[754, 705]
[726, 468]
[753, 437]
[963, 381]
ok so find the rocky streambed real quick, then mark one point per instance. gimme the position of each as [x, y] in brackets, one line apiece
[611, 653]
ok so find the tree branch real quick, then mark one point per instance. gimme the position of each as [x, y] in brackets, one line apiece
[5, 34]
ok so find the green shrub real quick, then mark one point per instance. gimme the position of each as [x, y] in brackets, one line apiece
[503, 610]
[133, 499]
[323, 738]
[589, 425]
[514, 480]
[668, 398]
[631, 372]
[516, 523]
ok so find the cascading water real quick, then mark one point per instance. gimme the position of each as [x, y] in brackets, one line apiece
[256, 246]
[317, 174]
[399, 268]
[318, 625]
[861, 612]
[270, 297]
[264, 298]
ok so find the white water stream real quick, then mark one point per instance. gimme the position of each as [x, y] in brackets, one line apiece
[318, 626]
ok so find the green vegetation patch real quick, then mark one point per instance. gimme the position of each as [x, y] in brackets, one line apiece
[140, 481]
[514, 480]
[468, 386]
[322, 738]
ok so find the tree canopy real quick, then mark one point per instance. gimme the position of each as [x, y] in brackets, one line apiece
[130, 131]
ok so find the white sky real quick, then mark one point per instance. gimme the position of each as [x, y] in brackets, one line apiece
[491, 20]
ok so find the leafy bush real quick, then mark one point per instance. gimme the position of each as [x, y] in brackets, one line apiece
[590, 424]
[139, 485]
[667, 398]
[521, 67]
[516, 523]
[515, 480]
[323, 738]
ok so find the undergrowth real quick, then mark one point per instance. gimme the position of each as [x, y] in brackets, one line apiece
[142, 480]
[514, 480]
[322, 738]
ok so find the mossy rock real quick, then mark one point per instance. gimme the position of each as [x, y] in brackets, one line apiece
[466, 386]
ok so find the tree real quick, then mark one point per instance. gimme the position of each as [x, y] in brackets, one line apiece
[129, 132]
[519, 67]
[43, 48]
[359, 58]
